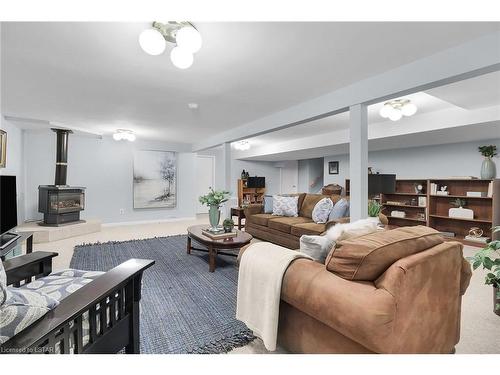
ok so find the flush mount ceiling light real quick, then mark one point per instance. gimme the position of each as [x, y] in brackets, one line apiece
[242, 145]
[395, 109]
[123, 134]
[184, 35]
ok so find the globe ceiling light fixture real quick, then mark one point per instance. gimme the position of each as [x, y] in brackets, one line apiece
[124, 135]
[184, 35]
[242, 145]
[395, 109]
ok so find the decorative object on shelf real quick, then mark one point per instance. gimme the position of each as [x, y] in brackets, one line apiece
[228, 225]
[475, 232]
[413, 202]
[333, 167]
[459, 211]
[184, 35]
[448, 234]
[213, 200]
[3, 148]
[247, 175]
[394, 203]
[124, 135]
[488, 168]
[243, 175]
[442, 190]
[476, 194]
[400, 214]
[420, 216]
[370, 170]
[394, 110]
[155, 179]
[489, 259]
[419, 189]
[374, 210]
[422, 201]
[242, 145]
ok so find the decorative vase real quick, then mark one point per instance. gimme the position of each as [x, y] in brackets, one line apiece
[496, 300]
[488, 169]
[214, 216]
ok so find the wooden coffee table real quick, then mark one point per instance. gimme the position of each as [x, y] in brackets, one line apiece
[213, 247]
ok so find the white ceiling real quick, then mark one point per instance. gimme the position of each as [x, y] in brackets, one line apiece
[95, 77]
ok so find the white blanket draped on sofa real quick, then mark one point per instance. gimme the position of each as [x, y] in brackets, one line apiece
[262, 267]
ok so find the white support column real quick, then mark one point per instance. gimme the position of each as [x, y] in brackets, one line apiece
[226, 156]
[358, 161]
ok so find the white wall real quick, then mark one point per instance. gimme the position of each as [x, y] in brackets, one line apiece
[105, 168]
[311, 171]
[14, 166]
[456, 159]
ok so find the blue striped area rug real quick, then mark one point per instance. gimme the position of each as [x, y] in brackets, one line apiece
[184, 308]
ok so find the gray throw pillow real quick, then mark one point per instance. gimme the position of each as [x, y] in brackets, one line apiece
[268, 204]
[317, 247]
[340, 209]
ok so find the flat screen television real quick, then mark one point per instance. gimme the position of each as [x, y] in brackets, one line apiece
[256, 182]
[381, 184]
[8, 204]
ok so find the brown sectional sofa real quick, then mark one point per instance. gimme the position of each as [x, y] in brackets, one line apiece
[393, 291]
[286, 231]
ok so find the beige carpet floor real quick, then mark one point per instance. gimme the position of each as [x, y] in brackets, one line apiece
[480, 332]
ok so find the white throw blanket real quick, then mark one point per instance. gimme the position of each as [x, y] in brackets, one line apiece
[262, 267]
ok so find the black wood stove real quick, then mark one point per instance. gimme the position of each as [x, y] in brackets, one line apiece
[61, 204]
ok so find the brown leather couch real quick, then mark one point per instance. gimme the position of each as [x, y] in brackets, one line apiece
[394, 291]
[286, 231]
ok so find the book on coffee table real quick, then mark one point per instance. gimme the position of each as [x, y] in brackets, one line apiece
[219, 236]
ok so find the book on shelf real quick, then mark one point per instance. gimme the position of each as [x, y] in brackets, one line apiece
[433, 188]
[448, 234]
[477, 239]
[490, 189]
[476, 194]
[441, 192]
[218, 235]
[463, 178]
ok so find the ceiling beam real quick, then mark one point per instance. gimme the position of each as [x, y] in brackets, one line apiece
[467, 60]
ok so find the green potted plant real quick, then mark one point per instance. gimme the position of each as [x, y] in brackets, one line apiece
[213, 200]
[374, 209]
[488, 168]
[489, 259]
[228, 225]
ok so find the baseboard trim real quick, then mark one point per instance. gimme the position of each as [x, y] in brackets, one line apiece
[124, 223]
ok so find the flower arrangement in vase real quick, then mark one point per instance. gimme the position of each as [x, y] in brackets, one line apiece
[213, 200]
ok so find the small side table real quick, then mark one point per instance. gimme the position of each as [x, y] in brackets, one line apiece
[25, 236]
[240, 213]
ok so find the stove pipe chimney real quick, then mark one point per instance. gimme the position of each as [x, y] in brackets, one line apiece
[61, 156]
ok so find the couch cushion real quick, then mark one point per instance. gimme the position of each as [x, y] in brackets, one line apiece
[21, 309]
[261, 219]
[284, 224]
[367, 257]
[307, 229]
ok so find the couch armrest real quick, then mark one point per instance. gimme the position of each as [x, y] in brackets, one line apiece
[358, 310]
[25, 267]
[253, 209]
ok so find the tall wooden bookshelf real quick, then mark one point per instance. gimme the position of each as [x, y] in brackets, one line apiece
[408, 199]
[250, 195]
[486, 208]
[434, 213]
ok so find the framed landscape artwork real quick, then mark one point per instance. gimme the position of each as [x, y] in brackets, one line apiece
[155, 179]
[3, 149]
[333, 167]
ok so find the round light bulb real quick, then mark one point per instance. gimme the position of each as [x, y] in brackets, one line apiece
[131, 137]
[117, 136]
[152, 42]
[395, 115]
[386, 110]
[409, 109]
[181, 58]
[189, 38]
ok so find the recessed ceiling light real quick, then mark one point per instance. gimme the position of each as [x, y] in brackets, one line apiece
[124, 134]
[242, 145]
[193, 105]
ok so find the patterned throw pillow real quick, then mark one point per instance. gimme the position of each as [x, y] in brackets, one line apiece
[341, 209]
[285, 206]
[3, 284]
[321, 210]
[21, 309]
